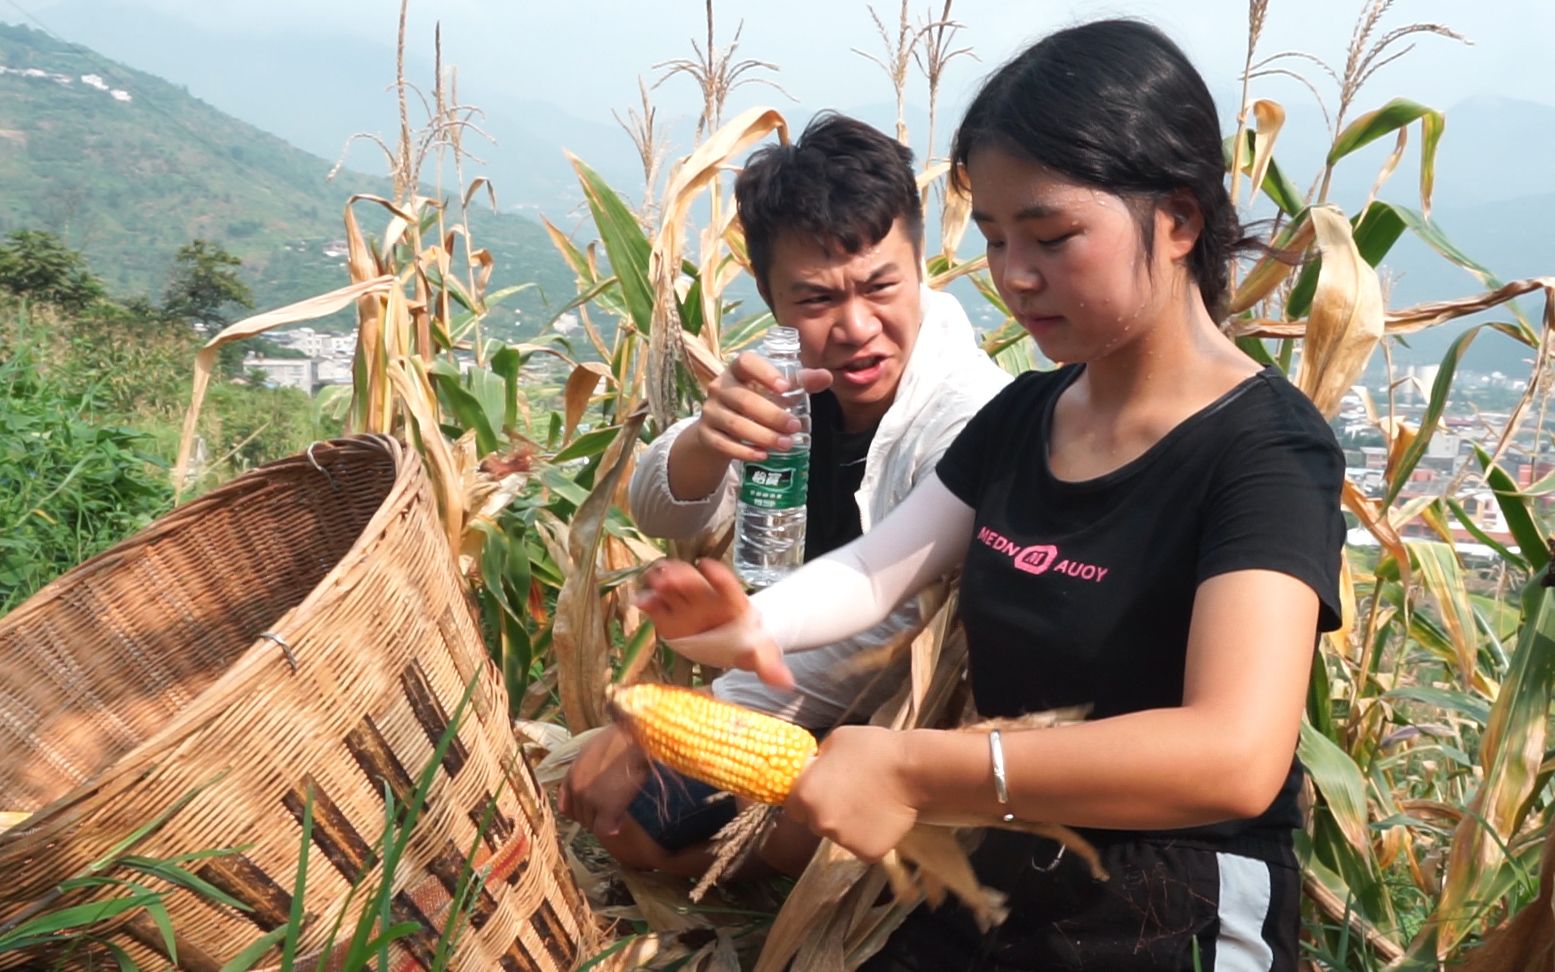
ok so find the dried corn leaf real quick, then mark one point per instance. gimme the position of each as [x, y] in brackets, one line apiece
[831, 874]
[705, 366]
[580, 387]
[824, 949]
[537, 697]
[926, 178]
[942, 280]
[871, 926]
[734, 239]
[414, 393]
[938, 653]
[1408, 320]
[579, 638]
[942, 865]
[715, 273]
[476, 184]
[661, 900]
[205, 358]
[559, 758]
[1445, 814]
[691, 176]
[1421, 316]
[1269, 118]
[367, 368]
[955, 218]
[1346, 319]
[698, 169]
[1272, 269]
[721, 955]
[621, 562]
[1375, 520]
[1401, 436]
[398, 339]
[1410, 510]
[547, 737]
[1388, 166]
[1339, 639]
[554, 533]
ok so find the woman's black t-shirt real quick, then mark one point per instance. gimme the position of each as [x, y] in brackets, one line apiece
[1080, 593]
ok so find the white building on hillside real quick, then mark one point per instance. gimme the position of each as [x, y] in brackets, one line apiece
[284, 372]
[306, 340]
[333, 371]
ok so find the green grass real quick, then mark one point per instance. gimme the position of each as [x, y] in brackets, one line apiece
[69, 486]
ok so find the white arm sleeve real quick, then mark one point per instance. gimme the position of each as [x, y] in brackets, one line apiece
[654, 506]
[856, 586]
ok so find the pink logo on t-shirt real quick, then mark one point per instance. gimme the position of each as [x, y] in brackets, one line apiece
[1039, 558]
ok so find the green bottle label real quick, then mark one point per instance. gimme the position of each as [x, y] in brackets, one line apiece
[778, 482]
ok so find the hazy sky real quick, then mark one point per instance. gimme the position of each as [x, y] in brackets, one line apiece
[314, 71]
[588, 54]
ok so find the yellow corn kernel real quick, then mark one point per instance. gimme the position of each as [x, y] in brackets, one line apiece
[739, 750]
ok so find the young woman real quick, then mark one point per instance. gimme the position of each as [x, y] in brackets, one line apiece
[1151, 530]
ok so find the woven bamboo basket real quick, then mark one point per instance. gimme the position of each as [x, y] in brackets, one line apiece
[303, 628]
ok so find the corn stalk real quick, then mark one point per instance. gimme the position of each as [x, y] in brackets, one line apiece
[1429, 667]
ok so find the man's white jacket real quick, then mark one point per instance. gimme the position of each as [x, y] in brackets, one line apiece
[947, 379]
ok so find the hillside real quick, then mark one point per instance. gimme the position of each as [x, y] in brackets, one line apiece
[128, 167]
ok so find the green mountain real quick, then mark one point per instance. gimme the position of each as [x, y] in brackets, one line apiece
[128, 167]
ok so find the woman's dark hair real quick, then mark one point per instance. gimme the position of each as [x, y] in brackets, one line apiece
[842, 184]
[1116, 105]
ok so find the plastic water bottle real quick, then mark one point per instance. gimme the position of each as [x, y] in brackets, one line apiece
[770, 516]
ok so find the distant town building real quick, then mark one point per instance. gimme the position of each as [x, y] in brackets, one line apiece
[1418, 381]
[1529, 473]
[332, 371]
[284, 372]
[1482, 508]
[1444, 445]
[305, 339]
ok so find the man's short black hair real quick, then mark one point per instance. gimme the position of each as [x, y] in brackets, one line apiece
[842, 184]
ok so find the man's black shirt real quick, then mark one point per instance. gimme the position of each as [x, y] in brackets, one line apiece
[836, 470]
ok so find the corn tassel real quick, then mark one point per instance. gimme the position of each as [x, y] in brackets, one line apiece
[735, 749]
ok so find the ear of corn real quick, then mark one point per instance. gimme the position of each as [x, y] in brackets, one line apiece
[744, 752]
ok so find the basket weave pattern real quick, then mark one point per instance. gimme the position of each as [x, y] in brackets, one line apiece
[302, 629]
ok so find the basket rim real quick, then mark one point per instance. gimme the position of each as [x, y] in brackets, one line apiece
[134, 764]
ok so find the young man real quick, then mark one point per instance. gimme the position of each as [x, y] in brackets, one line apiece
[833, 224]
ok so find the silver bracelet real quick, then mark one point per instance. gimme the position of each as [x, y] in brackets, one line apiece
[1001, 788]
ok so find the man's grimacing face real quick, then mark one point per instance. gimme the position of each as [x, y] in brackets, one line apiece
[857, 314]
